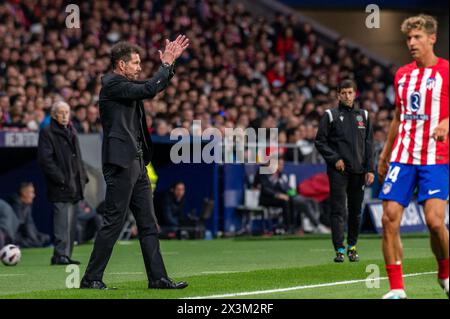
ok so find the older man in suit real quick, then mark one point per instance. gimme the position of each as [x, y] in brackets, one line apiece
[59, 156]
[126, 150]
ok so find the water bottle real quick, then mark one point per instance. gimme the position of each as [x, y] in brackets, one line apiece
[208, 235]
[292, 185]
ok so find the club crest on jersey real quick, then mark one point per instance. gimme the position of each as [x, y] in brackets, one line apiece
[387, 187]
[431, 82]
[360, 121]
[342, 118]
[414, 101]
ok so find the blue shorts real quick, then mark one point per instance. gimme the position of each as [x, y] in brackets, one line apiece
[402, 179]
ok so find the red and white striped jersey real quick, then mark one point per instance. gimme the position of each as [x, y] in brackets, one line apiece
[422, 96]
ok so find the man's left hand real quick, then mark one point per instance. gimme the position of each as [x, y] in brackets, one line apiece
[369, 179]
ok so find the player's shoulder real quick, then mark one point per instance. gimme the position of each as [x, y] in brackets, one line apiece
[442, 65]
[443, 62]
[405, 69]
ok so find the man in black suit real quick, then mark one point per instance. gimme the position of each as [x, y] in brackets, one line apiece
[126, 150]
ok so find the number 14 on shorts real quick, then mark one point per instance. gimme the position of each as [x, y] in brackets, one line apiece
[393, 172]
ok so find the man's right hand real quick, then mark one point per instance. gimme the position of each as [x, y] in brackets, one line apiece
[168, 56]
[382, 169]
[340, 166]
[173, 50]
[181, 44]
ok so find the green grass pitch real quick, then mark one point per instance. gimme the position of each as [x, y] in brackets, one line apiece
[229, 266]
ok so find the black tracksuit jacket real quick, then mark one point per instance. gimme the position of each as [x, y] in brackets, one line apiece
[346, 133]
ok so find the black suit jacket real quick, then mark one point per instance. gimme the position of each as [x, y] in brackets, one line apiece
[60, 159]
[123, 118]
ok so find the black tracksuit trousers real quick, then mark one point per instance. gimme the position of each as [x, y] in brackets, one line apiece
[346, 194]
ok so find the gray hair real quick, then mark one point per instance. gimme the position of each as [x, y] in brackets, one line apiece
[58, 105]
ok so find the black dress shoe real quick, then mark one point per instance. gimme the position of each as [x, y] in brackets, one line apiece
[167, 283]
[94, 284]
[63, 260]
[74, 262]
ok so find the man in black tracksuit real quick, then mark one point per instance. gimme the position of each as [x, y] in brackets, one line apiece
[345, 139]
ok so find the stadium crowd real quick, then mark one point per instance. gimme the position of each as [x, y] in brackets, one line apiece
[240, 70]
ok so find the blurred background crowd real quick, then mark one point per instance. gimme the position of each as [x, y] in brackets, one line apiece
[241, 70]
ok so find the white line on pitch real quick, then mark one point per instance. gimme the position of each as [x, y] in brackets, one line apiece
[220, 272]
[11, 275]
[330, 284]
[124, 242]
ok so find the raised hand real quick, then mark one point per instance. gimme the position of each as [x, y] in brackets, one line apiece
[181, 44]
[174, 50]
[168, 56]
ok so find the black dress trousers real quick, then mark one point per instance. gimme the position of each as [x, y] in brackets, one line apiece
[127, 188]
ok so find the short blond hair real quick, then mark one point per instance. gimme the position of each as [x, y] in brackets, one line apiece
[420, 22]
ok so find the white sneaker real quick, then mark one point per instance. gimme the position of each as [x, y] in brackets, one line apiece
[395, 294]
[322, 229]
[444, 285]
[307, 225]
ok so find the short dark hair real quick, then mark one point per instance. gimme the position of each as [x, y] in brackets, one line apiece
[346, 84]
[174, 185]
[24, 185]
[123, 51]
[79, 107]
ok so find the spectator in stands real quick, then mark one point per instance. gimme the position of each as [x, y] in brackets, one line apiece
[79, 121]
[162, 128]
[294, 153]
[93, 120]
[173, 213]
[60, 159]
[275, 192]
[2, 118]
[22, 203]
[16, 115]
[88, 221]
[4, 107]
[306, 144]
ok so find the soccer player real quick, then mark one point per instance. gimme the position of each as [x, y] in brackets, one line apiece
[417, 148]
